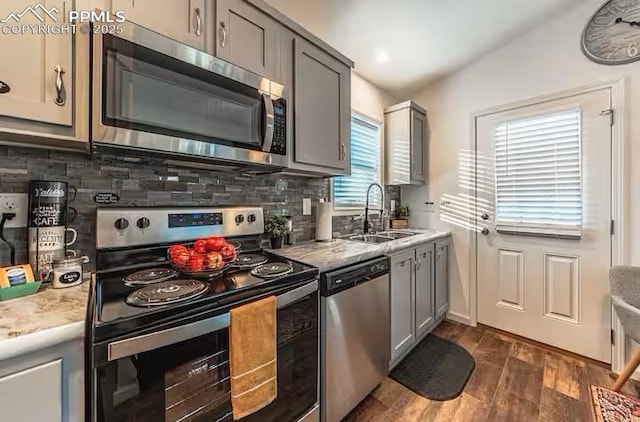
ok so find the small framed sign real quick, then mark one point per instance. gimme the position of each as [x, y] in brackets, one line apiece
[105, 198]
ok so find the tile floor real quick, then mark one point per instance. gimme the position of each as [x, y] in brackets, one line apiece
[514, 380]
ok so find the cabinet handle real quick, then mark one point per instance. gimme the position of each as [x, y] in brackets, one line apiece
[223, 35]
[198, 22]
[343, 152]
[418, 263]
[61, 95]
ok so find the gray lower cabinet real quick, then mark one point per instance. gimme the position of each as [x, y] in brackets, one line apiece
[47, 385]
[424, 274]
[402, 304]
[247, 37]
[419, 295]
[442, 249]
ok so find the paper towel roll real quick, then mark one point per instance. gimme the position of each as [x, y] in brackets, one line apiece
[324, 229]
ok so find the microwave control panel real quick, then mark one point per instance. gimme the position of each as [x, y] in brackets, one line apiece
[279, 144]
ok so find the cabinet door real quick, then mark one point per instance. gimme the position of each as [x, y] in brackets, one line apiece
[418, 140]
[322, 101]
[402, 305]
[425, 313]
[442, 277]
[247, 37]
[34, 394]
[183, 21]
[29, 63]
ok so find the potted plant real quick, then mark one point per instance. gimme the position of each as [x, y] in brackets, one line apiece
[276, 227]
[400, 221]
[402, 212]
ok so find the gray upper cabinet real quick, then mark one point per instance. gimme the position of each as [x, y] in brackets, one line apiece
[45, 80]
[321, 109]
[406, 138]
[247, 37]
[184, 21]
[425, 313]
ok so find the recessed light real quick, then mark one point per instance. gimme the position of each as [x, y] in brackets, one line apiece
[382, 56]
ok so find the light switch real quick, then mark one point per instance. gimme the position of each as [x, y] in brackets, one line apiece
[306, 206]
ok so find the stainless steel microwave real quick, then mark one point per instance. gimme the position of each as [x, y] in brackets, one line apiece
[154, 96]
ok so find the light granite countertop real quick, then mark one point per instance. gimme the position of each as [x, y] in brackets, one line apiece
[327, 256]
[46, 318]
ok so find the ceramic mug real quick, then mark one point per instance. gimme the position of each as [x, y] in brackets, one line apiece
[47, 244]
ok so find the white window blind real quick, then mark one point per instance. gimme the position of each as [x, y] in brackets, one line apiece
[349, 192]
[538, 175]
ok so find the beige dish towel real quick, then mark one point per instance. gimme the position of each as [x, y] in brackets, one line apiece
[252, 356]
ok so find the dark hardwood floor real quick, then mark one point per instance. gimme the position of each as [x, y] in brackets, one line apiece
[514, 380]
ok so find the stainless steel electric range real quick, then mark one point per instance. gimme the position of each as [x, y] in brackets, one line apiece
[158, 342]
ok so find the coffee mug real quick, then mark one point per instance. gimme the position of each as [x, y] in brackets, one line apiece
[47, 244]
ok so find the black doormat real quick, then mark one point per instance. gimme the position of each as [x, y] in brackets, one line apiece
[436, 368]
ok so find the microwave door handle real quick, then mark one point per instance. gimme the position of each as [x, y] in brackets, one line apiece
[132, 346]
[268, 123]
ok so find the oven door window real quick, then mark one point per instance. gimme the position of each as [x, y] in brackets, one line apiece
[150, 92]
[190, 381]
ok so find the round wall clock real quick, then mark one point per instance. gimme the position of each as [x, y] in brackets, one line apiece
[612, 36]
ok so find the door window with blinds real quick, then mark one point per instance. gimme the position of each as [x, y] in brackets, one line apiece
[539, 175]
[349, 192]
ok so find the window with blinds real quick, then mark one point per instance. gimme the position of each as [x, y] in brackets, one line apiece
[538, 175]
[349, 192]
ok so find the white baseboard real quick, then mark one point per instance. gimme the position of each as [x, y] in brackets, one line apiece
[462, 319]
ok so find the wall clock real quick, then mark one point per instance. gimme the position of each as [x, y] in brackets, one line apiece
[612, 35]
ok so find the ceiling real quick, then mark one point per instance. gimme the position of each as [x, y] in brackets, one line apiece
[403, 45]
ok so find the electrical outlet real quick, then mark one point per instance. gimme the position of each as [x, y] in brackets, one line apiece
[16, 203]
[306, 206]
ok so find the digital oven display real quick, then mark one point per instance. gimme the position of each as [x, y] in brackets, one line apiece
[195, 220]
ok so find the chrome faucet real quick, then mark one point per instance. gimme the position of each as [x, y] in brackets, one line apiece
[366, 206]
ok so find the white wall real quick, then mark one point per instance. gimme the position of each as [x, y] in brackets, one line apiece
[544, 61]
[368, 99]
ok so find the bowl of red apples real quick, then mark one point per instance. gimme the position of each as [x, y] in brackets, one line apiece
[206, 258]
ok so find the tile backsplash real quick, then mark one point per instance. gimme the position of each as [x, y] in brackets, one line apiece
[154, 183]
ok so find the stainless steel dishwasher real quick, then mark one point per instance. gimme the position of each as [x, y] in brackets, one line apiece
[354, 341]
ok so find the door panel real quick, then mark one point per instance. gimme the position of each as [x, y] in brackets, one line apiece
[247, 37]
[322, 108]
[511, 278]
[17, 392]
[425, 301]
[418, 136]
[442, 277]
[402, 304]
[28, 67]
[550, 287]
[178, 20]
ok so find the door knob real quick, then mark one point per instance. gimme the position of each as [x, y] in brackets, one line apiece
[485, 216]
[485, 231]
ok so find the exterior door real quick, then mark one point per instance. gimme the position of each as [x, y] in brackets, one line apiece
[544, 207]
[31, 64]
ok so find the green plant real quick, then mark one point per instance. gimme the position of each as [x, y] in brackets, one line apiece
[276, 226]
[402, 211]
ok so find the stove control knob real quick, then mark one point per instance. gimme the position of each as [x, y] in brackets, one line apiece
[239, 219]
[121, 224]
[251, 218]
[143, 223]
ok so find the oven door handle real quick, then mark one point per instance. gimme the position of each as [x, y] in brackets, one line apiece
[132, 346]
[268, 123]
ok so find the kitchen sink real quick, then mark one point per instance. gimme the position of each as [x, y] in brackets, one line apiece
[371, 238]
[396, 234]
